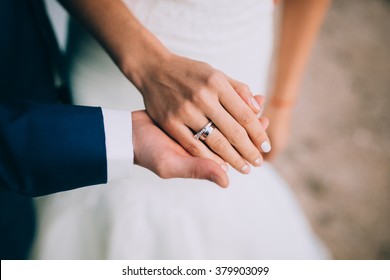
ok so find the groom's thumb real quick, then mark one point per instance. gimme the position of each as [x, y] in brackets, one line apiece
[208, 169]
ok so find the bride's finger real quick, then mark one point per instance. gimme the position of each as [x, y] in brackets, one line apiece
[235, 135]
[185, 137]
[218, 143]
[246, 119]
[264, 122]
[246, 95]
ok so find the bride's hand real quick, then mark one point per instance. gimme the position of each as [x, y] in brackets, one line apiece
[278, 130]
[154, 150]
[182, 95]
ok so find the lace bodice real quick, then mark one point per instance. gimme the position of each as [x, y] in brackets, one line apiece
[203, 23]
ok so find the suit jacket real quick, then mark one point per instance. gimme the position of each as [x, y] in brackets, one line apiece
[45, 146]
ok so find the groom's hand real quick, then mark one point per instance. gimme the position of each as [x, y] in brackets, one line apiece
[154, 150]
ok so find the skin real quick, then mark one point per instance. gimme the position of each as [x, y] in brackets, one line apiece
[168, 159]
[300, 23]
[180, 94]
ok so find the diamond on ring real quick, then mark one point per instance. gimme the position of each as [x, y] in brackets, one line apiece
[205, 131]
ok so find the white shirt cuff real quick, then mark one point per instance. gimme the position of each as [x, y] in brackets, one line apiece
[119, 143]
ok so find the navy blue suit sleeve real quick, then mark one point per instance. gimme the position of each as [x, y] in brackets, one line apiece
[48, 148]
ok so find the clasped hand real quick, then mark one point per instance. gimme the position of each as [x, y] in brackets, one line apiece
[182, 95]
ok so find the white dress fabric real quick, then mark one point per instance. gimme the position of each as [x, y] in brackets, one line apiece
[146, 217]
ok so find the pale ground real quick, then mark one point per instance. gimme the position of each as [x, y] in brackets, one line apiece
[338, 161]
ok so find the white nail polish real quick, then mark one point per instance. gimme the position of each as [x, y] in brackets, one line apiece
[255, 104]
[245, 168]
[224, 167]
[266, 147]
[258, 161]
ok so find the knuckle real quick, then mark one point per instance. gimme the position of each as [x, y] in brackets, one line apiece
[246, 117]
[169, 121]
[202, 95]
[243, 88]
[237, 136]
[214, 79]
[205, 99]
[185, 108]
[218, 145]
[193, 149]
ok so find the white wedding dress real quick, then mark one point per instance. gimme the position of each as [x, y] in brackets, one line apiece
[146, 217]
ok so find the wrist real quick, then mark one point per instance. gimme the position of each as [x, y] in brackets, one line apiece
[144, 60]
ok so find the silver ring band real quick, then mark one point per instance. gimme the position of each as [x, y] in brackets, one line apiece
[205, 131]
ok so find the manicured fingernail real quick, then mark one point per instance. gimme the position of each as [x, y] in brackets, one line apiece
[224, 167]
[266, 147]
[258, 161]
[255, 104]
[245, 168]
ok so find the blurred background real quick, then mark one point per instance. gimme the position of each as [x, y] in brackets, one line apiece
[338, 160]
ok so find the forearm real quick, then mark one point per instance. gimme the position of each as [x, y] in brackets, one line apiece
[47, 148]
[300, 22]
[132, 47]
